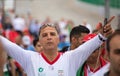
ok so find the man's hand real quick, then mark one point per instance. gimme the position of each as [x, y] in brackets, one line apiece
[107, 29]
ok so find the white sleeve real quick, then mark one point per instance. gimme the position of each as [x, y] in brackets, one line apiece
[79, 55]
[16, 52]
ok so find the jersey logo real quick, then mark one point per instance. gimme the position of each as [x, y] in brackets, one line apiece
[40, 69]
[60, 73]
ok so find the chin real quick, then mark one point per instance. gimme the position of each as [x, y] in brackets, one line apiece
[50, 48]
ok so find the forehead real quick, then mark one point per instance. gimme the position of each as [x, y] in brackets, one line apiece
[115, 42]
[48, 29]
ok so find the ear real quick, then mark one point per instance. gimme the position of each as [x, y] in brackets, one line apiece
[73, 40]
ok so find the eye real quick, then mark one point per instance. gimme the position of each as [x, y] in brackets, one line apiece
[44, 35]
[117, 51]
[39, 45]
[53, 34]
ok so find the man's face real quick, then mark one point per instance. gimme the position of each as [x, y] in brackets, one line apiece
[49, 38]
[79, 40]
[114, 54]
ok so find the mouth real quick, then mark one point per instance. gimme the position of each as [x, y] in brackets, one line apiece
[49, 43]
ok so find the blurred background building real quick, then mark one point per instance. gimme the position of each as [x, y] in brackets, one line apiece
[77, 10]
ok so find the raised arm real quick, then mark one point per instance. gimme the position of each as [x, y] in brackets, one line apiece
[14, 51]
[80, 54]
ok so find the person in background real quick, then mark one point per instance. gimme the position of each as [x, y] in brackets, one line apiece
[94, 62]
[63, 42]
[26, 41]
[113, 52]
[19, 23]
[34, 28]
[8, 24]
[103, 50]
[37, 45]
[97, 28]
[86, 24]
[76, 37]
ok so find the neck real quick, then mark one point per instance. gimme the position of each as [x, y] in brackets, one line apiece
[51, 55]
[94, 65]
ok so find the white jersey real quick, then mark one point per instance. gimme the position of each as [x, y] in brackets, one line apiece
[102, 71]
[66, 64]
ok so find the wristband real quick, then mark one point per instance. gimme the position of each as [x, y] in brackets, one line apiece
[101, 38]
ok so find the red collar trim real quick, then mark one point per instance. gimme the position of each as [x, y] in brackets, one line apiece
[50, 62]
[92, 70]
[102, 62]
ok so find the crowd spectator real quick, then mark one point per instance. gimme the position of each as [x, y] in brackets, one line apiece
[113, 51]
[95, 61]
[19, 23]
[37, 45]
[76, 36]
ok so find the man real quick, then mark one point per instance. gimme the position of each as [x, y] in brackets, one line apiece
[50, 62]
[94, 62]
[76, 37]
[113, 51]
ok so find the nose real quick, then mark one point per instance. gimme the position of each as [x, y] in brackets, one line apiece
[49, 37]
